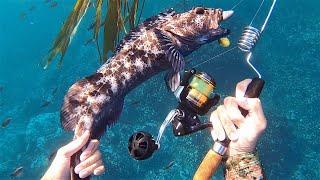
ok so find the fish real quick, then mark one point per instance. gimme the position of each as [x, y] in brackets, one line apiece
[45, 104]
[53, 4]
[23, 15]
[92, 25]
[17, 172]
[47, 1]
[31, 8]
[6, 122]
[55, 90]
[52, 155]
[89, 41]
[134, 103]
[1, 88]
[171, 163]
[158, 44]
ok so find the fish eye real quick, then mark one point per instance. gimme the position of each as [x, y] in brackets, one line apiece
[199, 10]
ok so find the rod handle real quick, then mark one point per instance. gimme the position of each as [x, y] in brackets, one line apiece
[212, 160]
[253, 91]
[208, 166]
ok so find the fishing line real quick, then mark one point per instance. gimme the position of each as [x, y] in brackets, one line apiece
[257, 12]
[237, 5]
[218, 55]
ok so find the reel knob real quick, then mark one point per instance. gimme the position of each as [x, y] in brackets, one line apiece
[141, 145]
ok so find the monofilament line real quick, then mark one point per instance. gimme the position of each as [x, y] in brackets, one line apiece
[237, 5]
[218, 55]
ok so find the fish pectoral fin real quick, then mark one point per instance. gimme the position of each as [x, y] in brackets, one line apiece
[172, 80]
[172, 55]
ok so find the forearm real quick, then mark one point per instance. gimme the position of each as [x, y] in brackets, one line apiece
[243, 166]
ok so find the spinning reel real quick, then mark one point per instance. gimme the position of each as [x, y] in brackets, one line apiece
[196, 97]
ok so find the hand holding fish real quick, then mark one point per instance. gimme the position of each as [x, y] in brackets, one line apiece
[91, 160]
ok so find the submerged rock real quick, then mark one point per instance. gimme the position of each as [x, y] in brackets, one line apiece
[43, 135]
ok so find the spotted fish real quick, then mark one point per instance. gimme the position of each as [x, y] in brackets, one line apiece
[160, 43]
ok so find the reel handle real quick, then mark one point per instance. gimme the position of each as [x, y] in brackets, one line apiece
[212, 160]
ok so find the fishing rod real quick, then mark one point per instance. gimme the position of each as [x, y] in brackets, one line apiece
[246, 43]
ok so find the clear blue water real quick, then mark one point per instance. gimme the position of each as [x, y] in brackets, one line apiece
[287, 56]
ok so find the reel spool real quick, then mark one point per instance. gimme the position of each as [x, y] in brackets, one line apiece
[197, 95]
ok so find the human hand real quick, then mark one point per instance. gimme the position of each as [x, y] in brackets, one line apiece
[228, 121]
[91, 160]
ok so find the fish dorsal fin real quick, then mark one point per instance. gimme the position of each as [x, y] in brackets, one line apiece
[148, 24]
[174, 57]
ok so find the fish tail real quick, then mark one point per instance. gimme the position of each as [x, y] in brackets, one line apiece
[107, 118]
[88, 106]
[75, 160]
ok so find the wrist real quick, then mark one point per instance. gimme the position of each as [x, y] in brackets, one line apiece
[242, 146]
[233, 151]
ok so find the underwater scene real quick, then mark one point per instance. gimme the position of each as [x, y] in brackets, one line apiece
[34, 78]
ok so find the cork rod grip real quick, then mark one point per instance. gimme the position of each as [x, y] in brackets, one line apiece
[208, 166]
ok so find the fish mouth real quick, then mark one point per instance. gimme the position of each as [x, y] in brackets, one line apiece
[219, 33]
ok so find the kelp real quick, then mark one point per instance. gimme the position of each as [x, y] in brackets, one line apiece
[111, 27]
[98, 25]
[67, 31]
[133, 13]
[120, 14]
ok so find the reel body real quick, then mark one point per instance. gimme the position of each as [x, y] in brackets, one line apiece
[196, 97]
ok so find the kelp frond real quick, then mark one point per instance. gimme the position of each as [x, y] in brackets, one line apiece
[133, 13]
[67, 31]
[98, 25]
[120, 15]
[115, 23]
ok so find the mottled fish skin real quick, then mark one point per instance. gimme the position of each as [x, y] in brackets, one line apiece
[96, 101]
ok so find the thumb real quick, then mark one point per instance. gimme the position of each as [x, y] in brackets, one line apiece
[74, 146]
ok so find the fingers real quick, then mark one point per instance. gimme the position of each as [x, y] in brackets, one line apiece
[74, 146]
[227, 124]
[88, 165]
[99, 170]
[250, 104]
[217, 131]
[91, 148]
[233, 111]
[254, 107]
[90, 170]
[242, 87]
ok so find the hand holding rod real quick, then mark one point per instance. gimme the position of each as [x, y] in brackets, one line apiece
[212, 160]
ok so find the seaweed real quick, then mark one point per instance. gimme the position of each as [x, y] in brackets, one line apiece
[97, 26]
[120, 14]
[67, 31]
